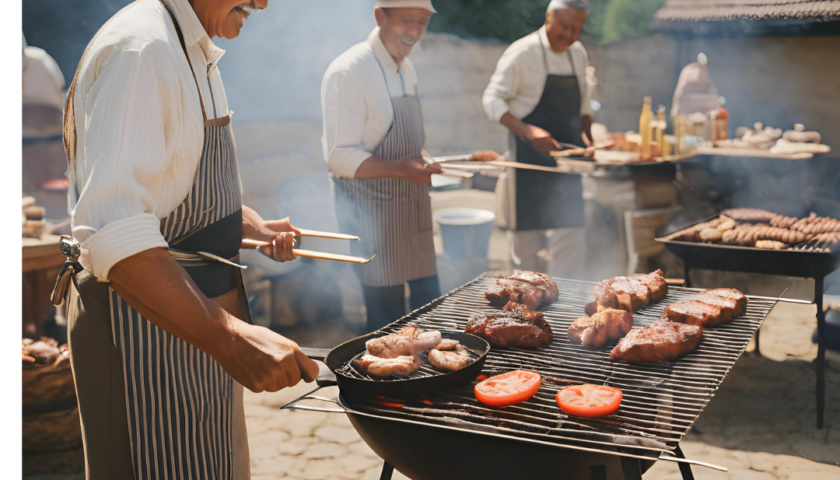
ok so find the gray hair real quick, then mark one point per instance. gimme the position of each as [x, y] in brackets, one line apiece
[568, 4]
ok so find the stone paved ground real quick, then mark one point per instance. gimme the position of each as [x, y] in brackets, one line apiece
[761, 423]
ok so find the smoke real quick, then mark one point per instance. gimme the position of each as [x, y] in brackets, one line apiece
[273, 70]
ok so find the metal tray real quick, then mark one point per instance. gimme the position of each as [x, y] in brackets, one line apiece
[734, 258]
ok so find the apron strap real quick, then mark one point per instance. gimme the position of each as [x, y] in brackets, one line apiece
[69, 130]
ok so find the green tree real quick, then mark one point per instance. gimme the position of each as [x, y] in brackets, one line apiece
[628, 18]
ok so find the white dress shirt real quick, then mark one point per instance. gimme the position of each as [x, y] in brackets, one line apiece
[356, 105]
[519, 80]
[139, 129]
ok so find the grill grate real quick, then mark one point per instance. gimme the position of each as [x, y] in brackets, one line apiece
[660, 403]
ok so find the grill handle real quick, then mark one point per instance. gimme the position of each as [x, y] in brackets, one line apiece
[293, 405]
[319, 354]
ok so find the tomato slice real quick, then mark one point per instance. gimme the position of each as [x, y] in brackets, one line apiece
[508, 388]
[589, 400]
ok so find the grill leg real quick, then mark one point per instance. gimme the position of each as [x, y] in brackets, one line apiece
[387, 471]
[757, 350]
[818, 299]
[685, 469]
[687, 275]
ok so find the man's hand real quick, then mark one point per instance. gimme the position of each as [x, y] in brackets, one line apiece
[280, 233]
[416, 170]
[264, 361]
[541, 140]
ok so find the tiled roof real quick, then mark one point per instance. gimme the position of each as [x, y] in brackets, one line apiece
[683, 11]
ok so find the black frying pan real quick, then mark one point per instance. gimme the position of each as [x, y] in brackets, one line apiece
[337, 359]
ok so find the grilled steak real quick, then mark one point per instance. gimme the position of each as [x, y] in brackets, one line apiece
[729, 308]
[731, 294]
[631, 293]
[524, 288]
[658, 342]
[520, 328]
[601, 328]
[695, 312]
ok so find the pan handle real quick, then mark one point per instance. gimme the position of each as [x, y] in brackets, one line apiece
[319, 354]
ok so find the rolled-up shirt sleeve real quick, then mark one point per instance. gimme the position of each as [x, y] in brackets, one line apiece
[504, 85]
[125, 147]
[344, 112]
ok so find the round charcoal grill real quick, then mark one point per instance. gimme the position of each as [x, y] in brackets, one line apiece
[450, 435]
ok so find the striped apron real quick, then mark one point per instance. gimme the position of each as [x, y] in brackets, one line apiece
[152, 405]
[393, 217]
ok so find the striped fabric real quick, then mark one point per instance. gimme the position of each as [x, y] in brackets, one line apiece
[392, 216]
[216, 191]
[178, 398]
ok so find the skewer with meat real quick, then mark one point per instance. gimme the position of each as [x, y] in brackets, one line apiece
[601, 328]
[407, 342]
[531, 289]
[660, 341]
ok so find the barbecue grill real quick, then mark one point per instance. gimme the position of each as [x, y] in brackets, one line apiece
[808, 260]
[436, 436]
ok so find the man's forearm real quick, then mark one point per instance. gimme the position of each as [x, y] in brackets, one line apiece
[515, 125]
[162, 291]
[375, 167]
[587, 126]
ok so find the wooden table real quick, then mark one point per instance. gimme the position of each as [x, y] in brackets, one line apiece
[41, 261]
[42, 253]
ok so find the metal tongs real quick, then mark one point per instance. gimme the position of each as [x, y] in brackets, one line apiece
[319, 255]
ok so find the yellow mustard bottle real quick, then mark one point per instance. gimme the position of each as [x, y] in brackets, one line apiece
[644, 128]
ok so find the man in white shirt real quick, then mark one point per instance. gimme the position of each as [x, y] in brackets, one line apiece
[161, 337]
[540, 93]
[373, 136]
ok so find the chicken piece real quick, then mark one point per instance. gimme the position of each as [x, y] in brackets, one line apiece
[771, 245]
[451, 360]
[601, 328]
[655, 281]
[527, 288]
[694, 312]
[731, 294]
[658, 342]
[447, 345]
[520, 328]
[539, 280]
[727, 224]
[631, 293]
[402, 366]
[409, 341]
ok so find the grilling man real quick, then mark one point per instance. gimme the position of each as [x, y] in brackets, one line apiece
[373, 135]
[161, 338]
[539, 92]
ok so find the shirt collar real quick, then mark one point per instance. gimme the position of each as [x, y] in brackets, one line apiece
[194, 31]
[381, 53]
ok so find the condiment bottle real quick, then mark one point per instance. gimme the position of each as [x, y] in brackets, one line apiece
[645, 128]
[661, 126]
[720, 122]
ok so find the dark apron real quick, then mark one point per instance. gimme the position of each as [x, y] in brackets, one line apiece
[152, 405]
[550, 200]
[393, 217]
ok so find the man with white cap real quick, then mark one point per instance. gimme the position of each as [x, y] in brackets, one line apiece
[540, 93]
[373, 136]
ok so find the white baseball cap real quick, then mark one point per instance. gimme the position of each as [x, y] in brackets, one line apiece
[427, 4]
